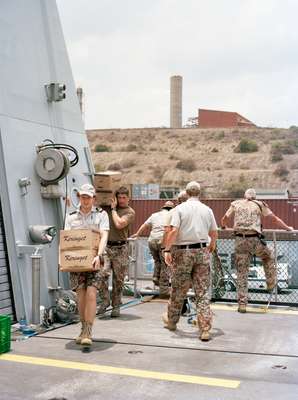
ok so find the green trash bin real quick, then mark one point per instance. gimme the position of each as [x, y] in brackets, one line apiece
[5, 329]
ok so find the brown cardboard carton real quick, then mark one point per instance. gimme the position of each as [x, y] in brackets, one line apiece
[86, 239]
[103, 198]
[76, 260]
[107, 181]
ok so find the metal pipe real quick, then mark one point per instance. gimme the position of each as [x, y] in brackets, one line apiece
[276, 264]
[135, 270]
[35, 260]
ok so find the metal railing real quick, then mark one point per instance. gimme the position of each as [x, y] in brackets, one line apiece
[283, 244]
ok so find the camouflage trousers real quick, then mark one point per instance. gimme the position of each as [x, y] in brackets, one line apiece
[81, 280]
[245, 248]
[191, 267]
[161, 272]
[118, 262]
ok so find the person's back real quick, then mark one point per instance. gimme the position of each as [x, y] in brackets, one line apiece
[189, 258]
[196, 220]
[249, 241]
[248, 214]
[157, 222]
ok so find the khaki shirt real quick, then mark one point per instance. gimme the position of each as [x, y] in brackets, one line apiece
[96, 219]
[157, 221]
[247, 214]
[194, 220]
[120, 234]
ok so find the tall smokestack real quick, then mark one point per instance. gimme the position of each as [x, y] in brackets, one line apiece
[176, 102]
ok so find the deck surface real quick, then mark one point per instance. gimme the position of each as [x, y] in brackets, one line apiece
[251, 356]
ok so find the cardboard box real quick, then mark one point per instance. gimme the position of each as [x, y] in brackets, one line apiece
[78, 247]
[107, 181]
[85, 239]
[76, 260]
[103, 198]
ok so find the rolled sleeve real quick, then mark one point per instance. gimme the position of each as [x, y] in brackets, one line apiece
[104, 224]
[148, 221]
[129, 216]
[213, 224]
[230, 211]
[67, 225]
[176, 220]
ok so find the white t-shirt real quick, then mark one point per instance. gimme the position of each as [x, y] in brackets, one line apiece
[194, 220]
[157, 222]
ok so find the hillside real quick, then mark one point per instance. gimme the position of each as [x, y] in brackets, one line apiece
[214, 157]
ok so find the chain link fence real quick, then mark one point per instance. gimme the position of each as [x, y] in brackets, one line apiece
[284, 246]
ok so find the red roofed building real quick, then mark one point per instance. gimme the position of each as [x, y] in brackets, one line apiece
[222, 119]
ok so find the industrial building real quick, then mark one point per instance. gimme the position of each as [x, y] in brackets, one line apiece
[222, 119]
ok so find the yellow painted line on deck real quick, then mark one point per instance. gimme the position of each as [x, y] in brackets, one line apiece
[260, 309]
[137, 373]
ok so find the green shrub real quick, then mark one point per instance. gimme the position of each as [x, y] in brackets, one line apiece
[220, 136]
[186, 165]
[158, 172]
[98, 167]
[246, 146]
[286, 147]
[294, 129]
[276, 155]
[100, 148]
[130, 147]
[128, 163]
[114, 167]
[281, 171]
[236, 189]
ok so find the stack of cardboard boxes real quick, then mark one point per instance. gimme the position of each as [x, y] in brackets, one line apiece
[78, 247]
[105, 184]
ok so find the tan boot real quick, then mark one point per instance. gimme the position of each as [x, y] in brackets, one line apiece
[115, 312]
[205, 336]
[87, 335]
[242, 308]
[78, 339]
[171, 326]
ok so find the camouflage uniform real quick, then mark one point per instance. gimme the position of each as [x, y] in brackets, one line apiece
[247, 221]
[193, 220]
[245, 248]
[191, 266]
[118, 259]
[81, 280]
[118, 262]
[157, 221]
[161, 273]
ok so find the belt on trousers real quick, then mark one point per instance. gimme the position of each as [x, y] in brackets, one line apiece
[247, 234]
[191, 246]
[117, 243]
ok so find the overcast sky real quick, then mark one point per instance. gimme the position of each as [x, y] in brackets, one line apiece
[234, 55]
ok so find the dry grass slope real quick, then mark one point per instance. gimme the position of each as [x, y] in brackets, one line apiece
[172, 157]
